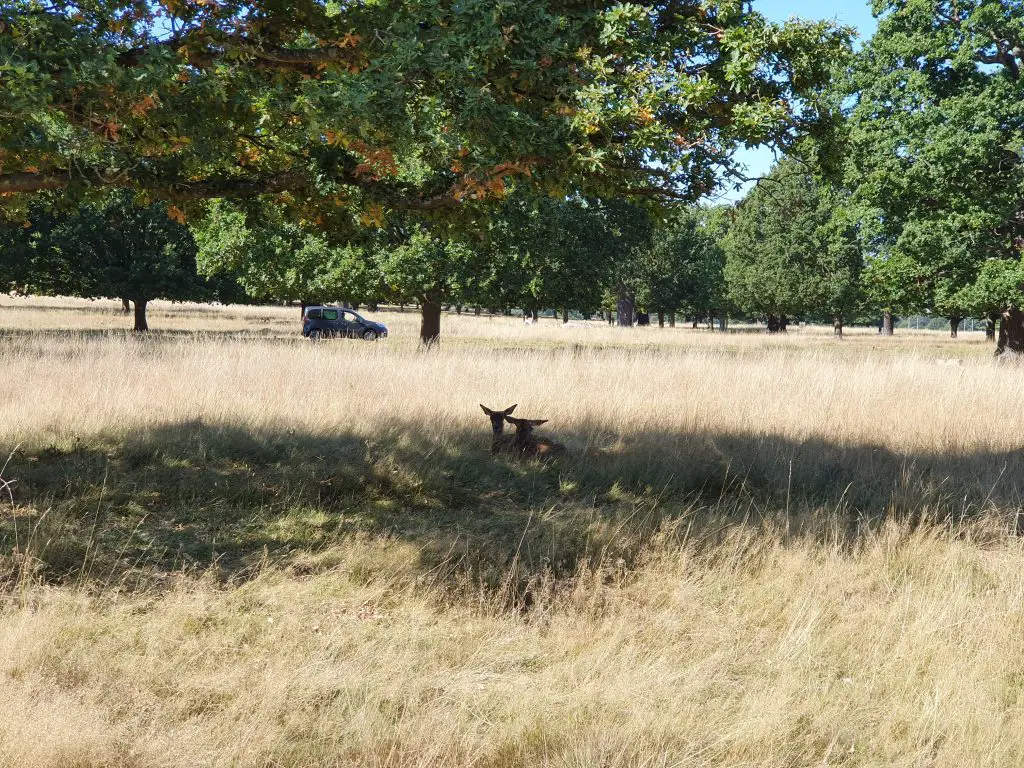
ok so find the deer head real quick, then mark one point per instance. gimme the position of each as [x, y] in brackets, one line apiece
[498, 417]
[525, 426]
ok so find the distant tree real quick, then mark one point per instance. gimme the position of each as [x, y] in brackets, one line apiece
[112, 248]
[427, 267]
[630, 228]
[548, 253]
[273, 257]
[791, 251]
[683, 267]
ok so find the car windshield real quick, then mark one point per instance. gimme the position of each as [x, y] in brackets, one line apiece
[350, 315]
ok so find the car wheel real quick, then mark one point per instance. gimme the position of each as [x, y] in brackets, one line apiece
[369, 335]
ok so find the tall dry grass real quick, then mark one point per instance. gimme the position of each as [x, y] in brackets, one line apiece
[760, 552]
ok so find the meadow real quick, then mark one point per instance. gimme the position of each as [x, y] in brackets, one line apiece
[222, 545]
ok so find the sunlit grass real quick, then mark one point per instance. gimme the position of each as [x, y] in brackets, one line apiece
[232, 547]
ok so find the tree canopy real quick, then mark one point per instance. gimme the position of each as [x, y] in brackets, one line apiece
[115, 249]
[424, 105]
[791, 250]
[936, 132]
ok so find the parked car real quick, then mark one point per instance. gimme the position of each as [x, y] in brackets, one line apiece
[327, 322]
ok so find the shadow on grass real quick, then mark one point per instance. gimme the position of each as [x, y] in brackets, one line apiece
[198, 496]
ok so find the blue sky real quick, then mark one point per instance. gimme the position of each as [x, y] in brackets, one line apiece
[855, 13]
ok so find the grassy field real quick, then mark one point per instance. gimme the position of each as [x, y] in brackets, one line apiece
[221, 545]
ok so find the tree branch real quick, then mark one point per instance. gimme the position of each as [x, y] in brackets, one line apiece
[204, 53]
[12, 183]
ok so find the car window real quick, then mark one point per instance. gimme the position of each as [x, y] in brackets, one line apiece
[313, 314]
[330, 314]
[351, 316]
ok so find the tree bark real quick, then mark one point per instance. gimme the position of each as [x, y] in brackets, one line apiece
[723, 323]
[661, 319]
[774, 325]
[671, 319]
[372, 306]
[887, 323]
[126, 307]
[837, 326]
[140, 315]
[476, 311]
[534, 315]
[784, 324]
[1011, 332]
[990, 326]
[954, 326]
[626, 307]
[565, 315]
[430, 323]
[696, 322]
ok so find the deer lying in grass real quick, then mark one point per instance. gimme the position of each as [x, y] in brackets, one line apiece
[523, 442]
[527, 445]
[500, 442]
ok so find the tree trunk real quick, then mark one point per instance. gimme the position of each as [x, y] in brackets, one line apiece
[774, 326]
[954, 326]
[1011, 332]
[354, 305]
[784, 324]
[626, 306]
[565, 315]
[671, 319]
[302, 309]
[126, 307]
[837, 326]
[430, 323]
[661, 319]
[723, 323]
[696, 322]
[458, 309]
[401, 306]
[372, 306]
[887, 323]
[534, 315]
[990, 326]
[476, 311]
[140, 315]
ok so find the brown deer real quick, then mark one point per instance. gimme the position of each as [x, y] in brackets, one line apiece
[527, 445]
[500, 442]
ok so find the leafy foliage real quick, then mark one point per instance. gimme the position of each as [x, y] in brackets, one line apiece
[432, 105]
[791, 250]
[683, 268]
[936, 160]
[112, 249]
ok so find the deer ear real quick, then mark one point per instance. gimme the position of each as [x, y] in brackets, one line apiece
[538, 422]
[487, 410]
[510, 409]
[512, 420]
